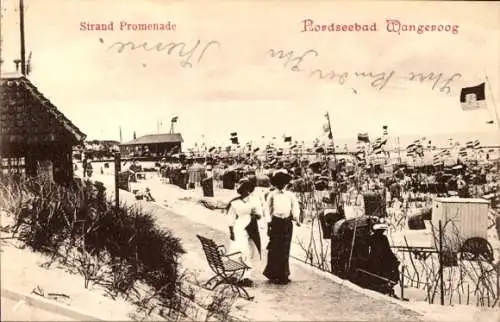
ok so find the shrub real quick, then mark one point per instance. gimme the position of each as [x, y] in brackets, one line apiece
[62, 220]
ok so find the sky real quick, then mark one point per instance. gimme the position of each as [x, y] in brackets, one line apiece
[234, 85]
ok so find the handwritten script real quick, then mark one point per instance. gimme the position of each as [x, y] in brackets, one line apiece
[193, 53]
[189, 53]
[295, 62]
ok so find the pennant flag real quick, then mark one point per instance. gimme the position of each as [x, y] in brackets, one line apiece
[411, 147]
[473, 98]
[174, 119]
[288, 139]
[363, 137]
[437, 161]
[360, 155]
[490, 122]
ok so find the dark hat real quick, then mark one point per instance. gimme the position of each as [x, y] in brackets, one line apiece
[245, 186]
[281, 178]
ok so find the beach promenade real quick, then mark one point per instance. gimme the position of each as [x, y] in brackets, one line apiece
[312, 295]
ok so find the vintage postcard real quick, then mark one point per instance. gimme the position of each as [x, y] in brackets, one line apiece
[250, 160]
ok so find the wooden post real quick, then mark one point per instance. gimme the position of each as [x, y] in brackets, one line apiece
[402, 282]
[441, 277]
[117, 172]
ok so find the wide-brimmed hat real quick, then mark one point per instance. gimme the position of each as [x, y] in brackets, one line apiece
[245, 186]
[281, 178]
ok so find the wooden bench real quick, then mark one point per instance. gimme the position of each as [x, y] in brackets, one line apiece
[227, 270]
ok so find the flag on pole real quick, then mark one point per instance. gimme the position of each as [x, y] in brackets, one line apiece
[288, 139]
[363, 137]
[473, 98]
[437, 161]
[174, 119]
[384, 128]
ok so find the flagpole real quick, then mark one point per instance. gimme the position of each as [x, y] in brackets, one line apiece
[331, 138]
[494, 102]
[23, 43]
[399, 151]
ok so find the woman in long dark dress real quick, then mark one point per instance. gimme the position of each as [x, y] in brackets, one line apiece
[283, 209]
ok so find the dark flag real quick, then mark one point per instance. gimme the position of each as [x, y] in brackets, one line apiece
[490, 122]
[174, 119]
[473, 98]
[234, 138]
[363, 137]
[288, 139]
[384, 128]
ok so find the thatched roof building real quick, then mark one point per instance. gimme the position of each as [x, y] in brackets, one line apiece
[35, 138]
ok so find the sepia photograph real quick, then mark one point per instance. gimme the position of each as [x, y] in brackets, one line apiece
[284, 160]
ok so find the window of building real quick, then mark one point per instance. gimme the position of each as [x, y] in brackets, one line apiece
[13, 166]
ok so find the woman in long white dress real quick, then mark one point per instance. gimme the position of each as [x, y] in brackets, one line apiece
[244, 212]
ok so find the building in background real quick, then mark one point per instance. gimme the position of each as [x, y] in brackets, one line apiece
[153, 145]
[35, 138]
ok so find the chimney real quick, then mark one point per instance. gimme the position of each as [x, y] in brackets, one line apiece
[17, 62]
